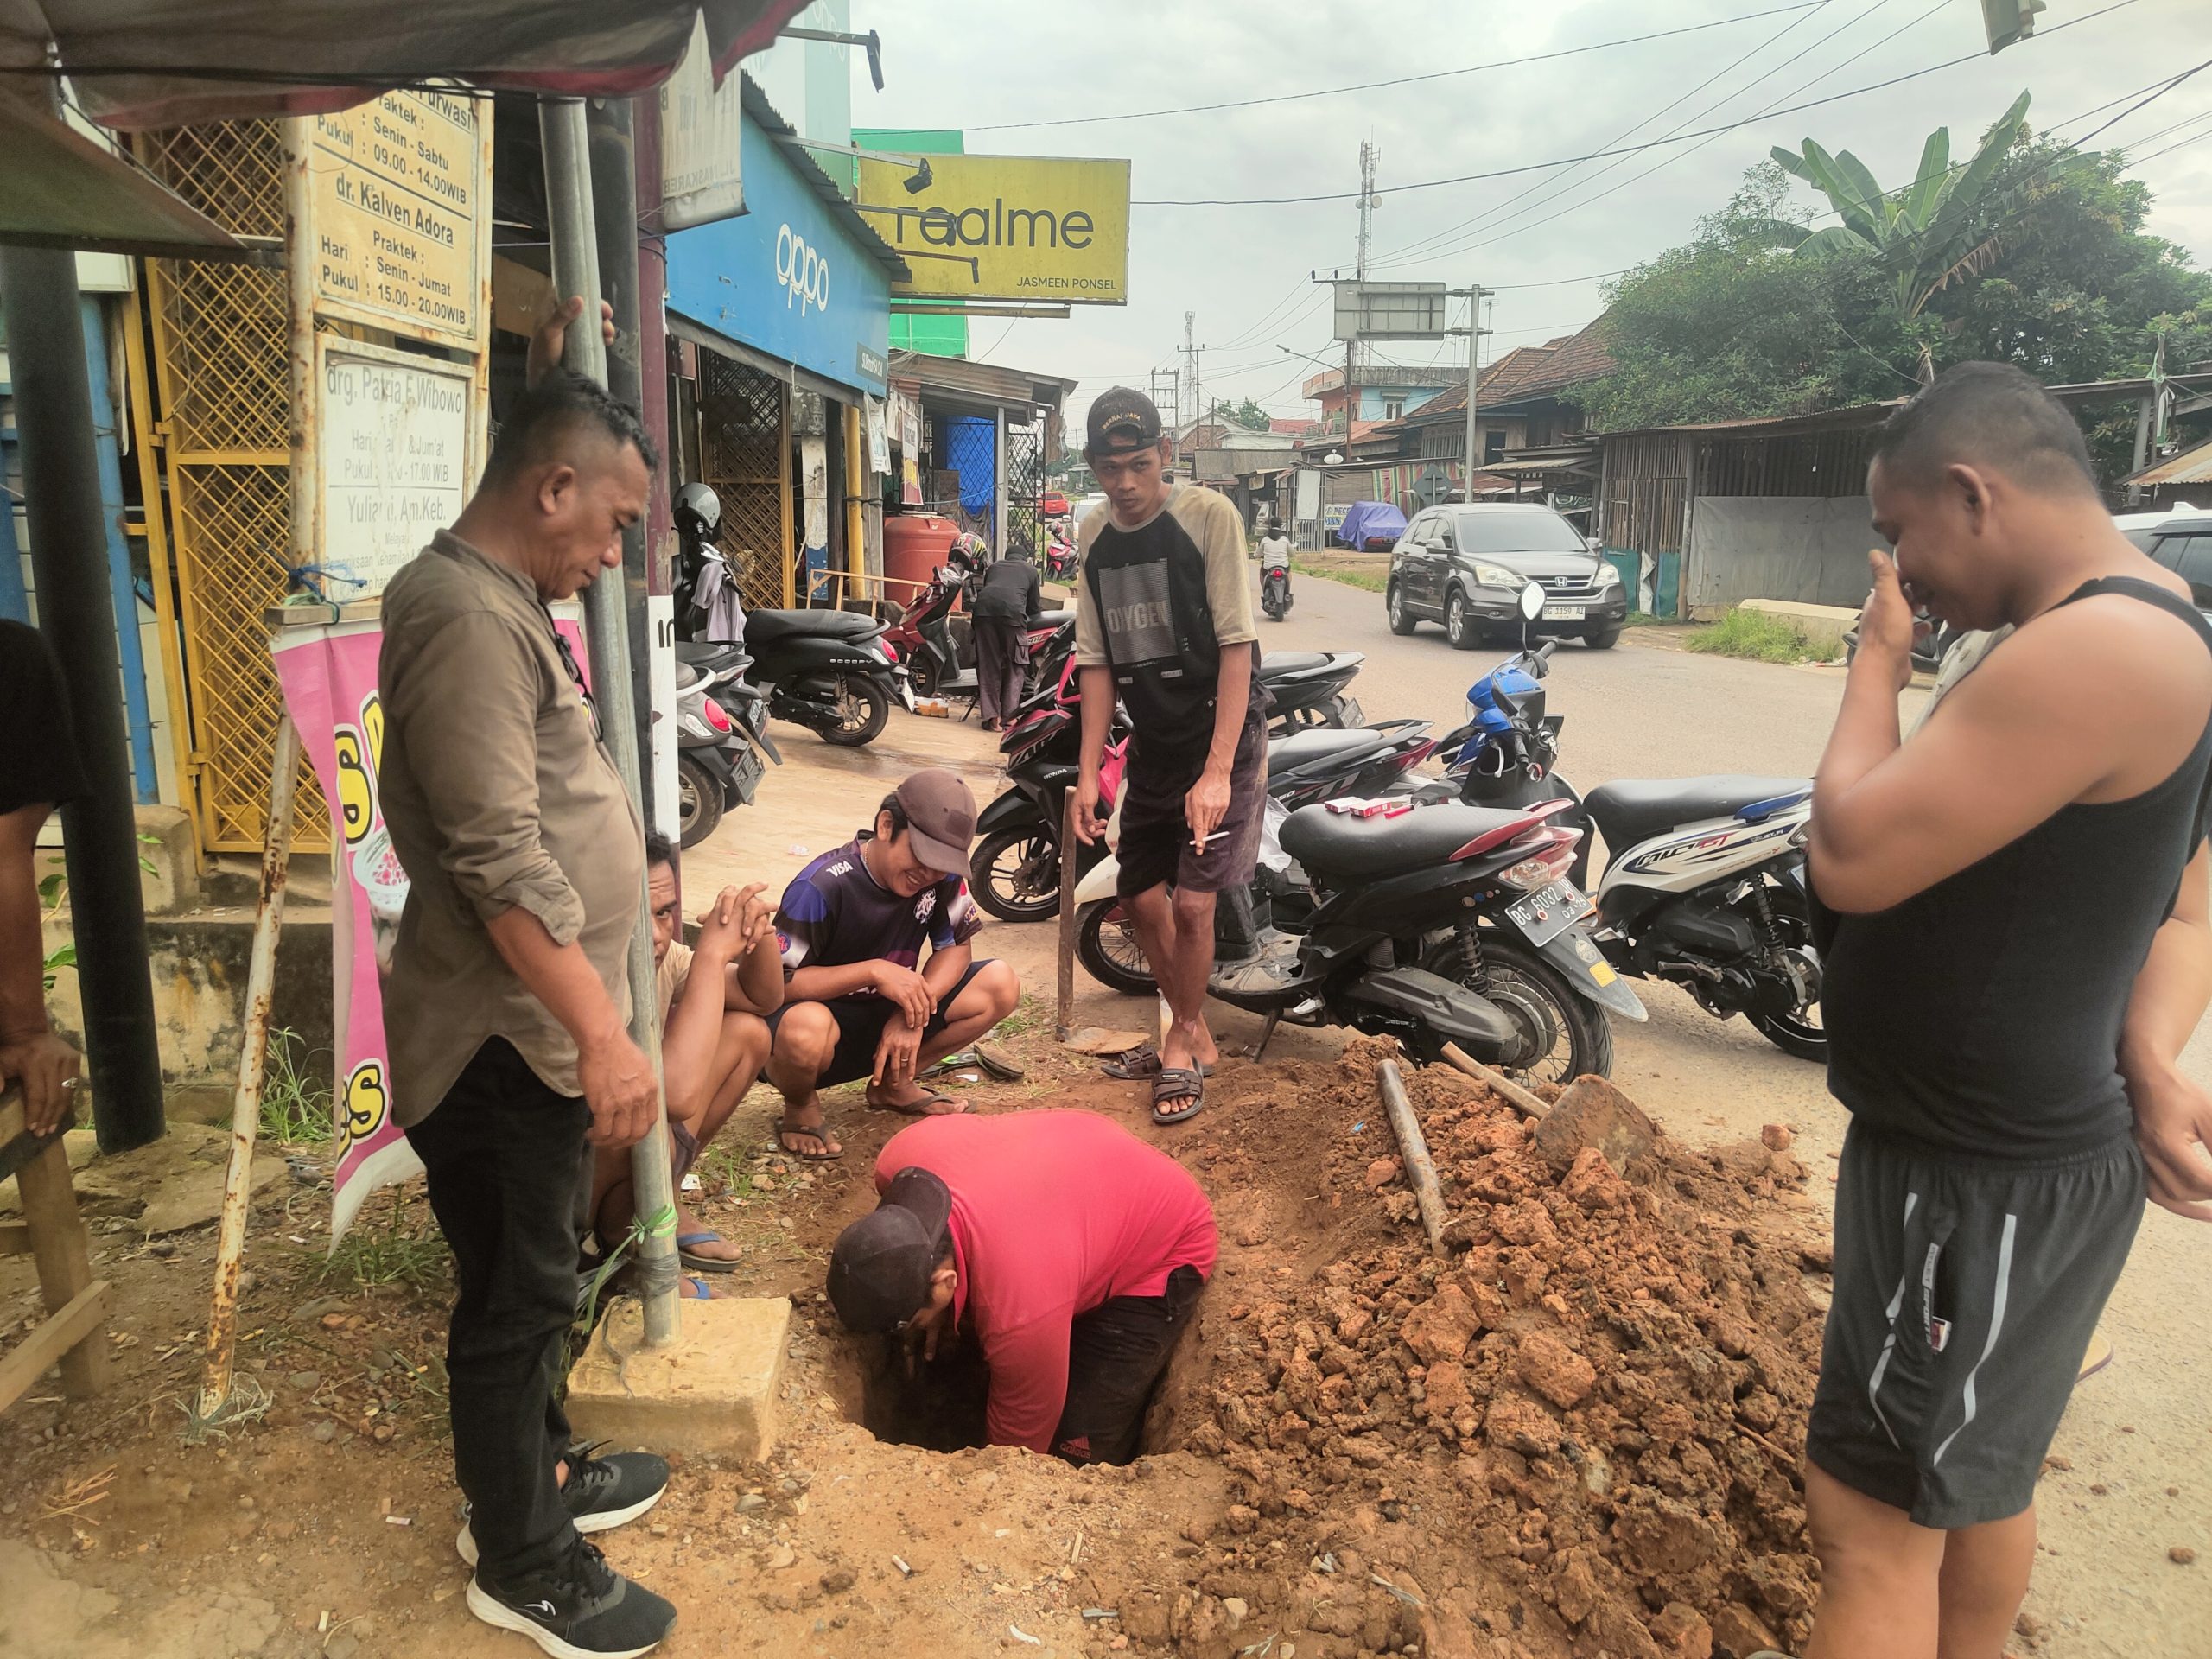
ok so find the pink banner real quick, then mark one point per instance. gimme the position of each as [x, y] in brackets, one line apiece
[329, 677]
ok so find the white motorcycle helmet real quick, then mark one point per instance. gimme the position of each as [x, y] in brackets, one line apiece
[698, 511]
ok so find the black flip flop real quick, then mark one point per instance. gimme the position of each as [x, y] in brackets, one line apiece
[784, 1127]
[1178, 1093]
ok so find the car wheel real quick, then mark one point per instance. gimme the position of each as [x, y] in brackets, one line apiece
[1458, 626]
[1605, 641]
[1402, 621]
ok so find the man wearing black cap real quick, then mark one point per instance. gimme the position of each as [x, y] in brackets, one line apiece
[859, 1001]
[1070, 1251]
[1164, 623]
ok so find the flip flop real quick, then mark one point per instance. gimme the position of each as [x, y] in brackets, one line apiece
[1142, 1061]
[1177, 1093]
[786, 1128]
[701, 1291]
[1000, 1064]
[703, 1263]
[920, 1108]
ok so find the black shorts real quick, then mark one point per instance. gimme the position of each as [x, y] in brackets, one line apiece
[1966, 1294]
[1115, 1355]
[860, 1020]
[1155, 847]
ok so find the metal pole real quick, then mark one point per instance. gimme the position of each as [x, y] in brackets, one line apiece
[1064, 1008]
[575, 270]
[1475, 294]
[253, 1054]
[1421, 1168]
[2142, 445]
[76, 613]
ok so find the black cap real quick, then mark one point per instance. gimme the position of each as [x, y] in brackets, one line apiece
[1122, 419]
[880, 1266]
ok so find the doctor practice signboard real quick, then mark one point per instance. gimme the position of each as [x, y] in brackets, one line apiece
[1014, 227]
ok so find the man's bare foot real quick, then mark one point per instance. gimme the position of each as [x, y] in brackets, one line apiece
[701, 1242]
[916, 1101]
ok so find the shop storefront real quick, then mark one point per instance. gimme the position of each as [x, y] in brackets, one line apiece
[780, 324]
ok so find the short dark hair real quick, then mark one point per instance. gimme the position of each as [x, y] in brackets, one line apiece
[1994, 414]
[891, 804]
[550, 415]
[659, 849]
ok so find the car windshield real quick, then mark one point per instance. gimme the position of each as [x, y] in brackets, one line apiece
[1534, 532]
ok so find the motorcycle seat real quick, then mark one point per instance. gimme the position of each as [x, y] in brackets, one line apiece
[1336, 844]
[766, 628]
[1315, 743]
[1279, 664]
[710, 654]
[1636, 809]
[1051, 620]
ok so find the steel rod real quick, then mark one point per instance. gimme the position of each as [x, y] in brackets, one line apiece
[606, 630]
[1421, 1168]
[1064, 1021]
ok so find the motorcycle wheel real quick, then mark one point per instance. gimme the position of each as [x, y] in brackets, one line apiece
[1798, 1033]
[863, 709]
[1566, 1033]
[698, 801]
[1106, 944]
[922, 668]
[1015, 875]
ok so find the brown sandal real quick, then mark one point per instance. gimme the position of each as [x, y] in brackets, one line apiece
[819, 1133]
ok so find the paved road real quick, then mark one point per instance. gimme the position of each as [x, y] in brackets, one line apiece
[2105, 1586]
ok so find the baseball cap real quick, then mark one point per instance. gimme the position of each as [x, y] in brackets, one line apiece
[880, 1266]
[940, 812]
[1121, 419]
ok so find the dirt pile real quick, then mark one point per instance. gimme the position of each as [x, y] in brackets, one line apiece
[1574, 1436]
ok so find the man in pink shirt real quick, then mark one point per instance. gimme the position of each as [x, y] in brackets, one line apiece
[1073, 1252]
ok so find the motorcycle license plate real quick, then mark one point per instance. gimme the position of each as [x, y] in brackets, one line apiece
[1564, 612]
[1543, 916]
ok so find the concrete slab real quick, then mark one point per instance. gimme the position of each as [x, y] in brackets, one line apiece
[715, 1390]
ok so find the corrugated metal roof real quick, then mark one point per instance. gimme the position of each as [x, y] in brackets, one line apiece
[2190, 467]
[1778, 425]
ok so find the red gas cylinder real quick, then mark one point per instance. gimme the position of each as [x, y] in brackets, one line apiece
[914, 544]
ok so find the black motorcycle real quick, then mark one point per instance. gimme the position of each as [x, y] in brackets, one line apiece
[1308, 688]
[1275, 589]
[827, 671]
[722, 743]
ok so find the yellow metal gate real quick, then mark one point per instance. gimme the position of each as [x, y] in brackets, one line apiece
[224, 429]
[745, 458]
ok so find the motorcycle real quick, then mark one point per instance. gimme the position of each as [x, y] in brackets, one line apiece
[1059, 560]
[1511, 978]
[1308, 688]
[829, 672]
[1705, 882]
[720, 735]
[1275, 589]
[922, 637]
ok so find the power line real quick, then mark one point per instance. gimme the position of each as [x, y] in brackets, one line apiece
[1400, 80]
[1406, 255]
[1599, 154]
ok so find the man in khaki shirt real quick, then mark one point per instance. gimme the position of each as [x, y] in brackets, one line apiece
[507, 1006]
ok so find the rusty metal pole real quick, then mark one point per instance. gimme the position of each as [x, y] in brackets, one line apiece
[253, 1053]
[1064, 1020]
[575, 270]
[1421, 1168]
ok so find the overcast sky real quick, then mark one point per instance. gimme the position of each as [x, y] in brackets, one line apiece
[978, 63]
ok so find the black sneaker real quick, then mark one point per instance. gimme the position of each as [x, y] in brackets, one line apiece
[582, 1609]
[601, 1493]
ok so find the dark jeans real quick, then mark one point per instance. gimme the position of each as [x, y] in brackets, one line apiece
[1001, 658]
[504, 1155]
[1115, 1355]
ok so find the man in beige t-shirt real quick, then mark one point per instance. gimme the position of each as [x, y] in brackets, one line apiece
[713, 1044]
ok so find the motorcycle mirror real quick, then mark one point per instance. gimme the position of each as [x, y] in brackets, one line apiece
[1532, 601]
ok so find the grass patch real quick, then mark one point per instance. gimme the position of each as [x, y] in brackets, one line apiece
[730, 1167]
[405, 1249]
[1024, 1018]
[294, 1106]
[1373, 582]
[1754, 636]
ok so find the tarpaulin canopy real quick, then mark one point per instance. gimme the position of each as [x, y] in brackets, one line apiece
[138, 64]
[1372, 521]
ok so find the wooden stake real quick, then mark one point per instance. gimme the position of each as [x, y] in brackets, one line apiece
[1511, 1093]
[1421, 1168]
[1064, 1020]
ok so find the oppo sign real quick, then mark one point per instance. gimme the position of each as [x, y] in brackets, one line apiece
[803, 273]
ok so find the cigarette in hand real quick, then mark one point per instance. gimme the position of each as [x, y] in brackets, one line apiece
[1198, 842]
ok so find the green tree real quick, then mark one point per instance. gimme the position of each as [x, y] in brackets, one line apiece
[1248, 414]
[1936, 229]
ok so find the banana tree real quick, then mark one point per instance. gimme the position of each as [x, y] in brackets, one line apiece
[1927, 233]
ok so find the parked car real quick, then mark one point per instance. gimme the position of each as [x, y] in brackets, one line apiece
[2183, 545]
[2141, 528]
[1053, 503]
[1465, 567]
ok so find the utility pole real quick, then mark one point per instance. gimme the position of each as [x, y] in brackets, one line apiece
[1475, 294]
[1354, 357]
[1173, 380]
[1191, 354]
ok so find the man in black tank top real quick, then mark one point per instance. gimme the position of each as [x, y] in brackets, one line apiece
[2016, 950]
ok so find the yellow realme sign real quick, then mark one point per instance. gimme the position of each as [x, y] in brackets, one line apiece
[1006, 227]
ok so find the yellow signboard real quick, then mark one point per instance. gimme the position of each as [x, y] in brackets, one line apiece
[401, 190]
[1006, 227]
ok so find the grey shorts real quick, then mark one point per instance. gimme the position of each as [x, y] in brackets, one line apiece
[1966, 1294]
[1155, 845]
